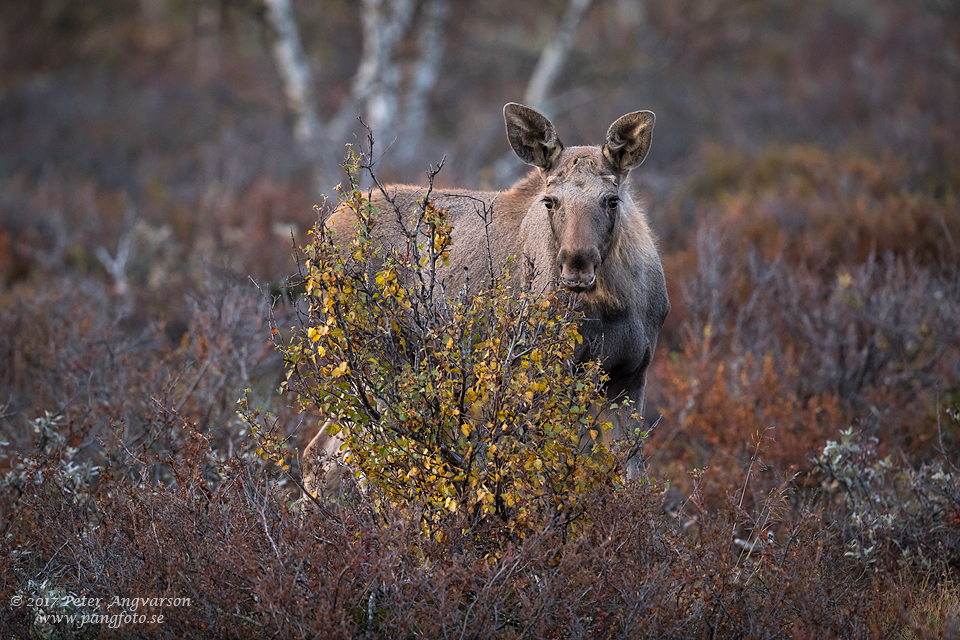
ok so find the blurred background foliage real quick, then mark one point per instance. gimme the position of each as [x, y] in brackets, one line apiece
[171, 115]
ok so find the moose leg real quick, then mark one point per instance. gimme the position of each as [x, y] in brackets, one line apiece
[624, 422]
[627, 418]
[321, 465]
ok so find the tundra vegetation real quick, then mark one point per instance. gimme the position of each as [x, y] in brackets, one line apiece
[802, 481]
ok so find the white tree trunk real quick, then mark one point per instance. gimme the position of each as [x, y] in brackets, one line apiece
[554, 56]
[376, 86]
[544, 76]
[432, 41]
[291, 60]
[377, 83]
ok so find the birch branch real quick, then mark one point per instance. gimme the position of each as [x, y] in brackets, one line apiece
[117, 267]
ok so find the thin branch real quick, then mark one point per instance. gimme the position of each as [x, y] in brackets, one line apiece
[117, 267]
[6, 411]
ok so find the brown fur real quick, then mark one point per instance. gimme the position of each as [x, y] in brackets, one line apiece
[322, 464]
[604, 253]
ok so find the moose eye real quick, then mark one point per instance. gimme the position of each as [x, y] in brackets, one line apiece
[613, 202]
[548, 203]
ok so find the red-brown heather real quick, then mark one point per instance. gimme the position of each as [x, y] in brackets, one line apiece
[801, 480]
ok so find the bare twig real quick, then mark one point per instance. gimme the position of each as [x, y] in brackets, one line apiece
[6, 411]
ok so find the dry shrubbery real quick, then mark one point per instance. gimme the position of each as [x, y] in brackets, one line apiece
[820, 292]
[252, 567]
[781, 520]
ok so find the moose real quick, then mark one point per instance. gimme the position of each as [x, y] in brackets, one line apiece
[574, 219]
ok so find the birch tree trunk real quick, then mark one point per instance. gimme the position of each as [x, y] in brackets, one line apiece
[545, 73]
[554, 56]
[377, 83]
[375, 92]
[376, 86]
[291, 61]
[431, 41]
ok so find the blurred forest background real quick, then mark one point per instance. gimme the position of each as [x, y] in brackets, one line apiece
[803, 182]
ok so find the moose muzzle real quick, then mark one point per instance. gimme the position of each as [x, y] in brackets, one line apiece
[578, 269]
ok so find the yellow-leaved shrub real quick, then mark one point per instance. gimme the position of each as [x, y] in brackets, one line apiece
[462, 401]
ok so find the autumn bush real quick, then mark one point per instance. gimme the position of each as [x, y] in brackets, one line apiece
[450, 401]
[818, 290]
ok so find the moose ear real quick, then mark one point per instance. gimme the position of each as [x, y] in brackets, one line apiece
[628, 140]
[532, 136]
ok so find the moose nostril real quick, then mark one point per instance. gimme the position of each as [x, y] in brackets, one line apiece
[579, 261]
